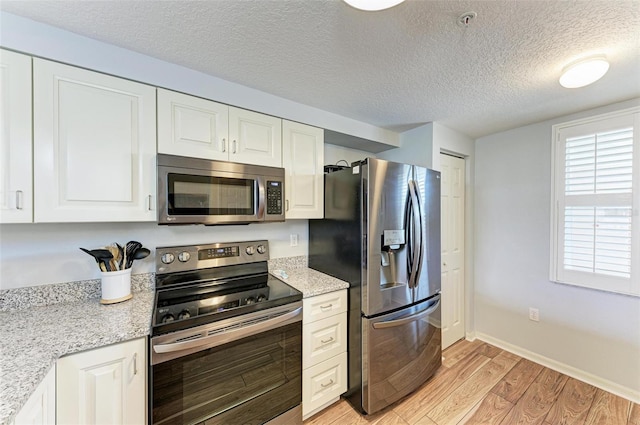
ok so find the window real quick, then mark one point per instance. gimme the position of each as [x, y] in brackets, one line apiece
[595, 203]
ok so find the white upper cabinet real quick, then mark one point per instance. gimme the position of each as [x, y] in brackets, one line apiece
[200, 128]
[94, 146]
[191, 126]
[255, 138]
[16, 171]
[303, 159]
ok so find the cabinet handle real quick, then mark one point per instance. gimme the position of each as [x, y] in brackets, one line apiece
[326, 307]
[149, 207]
[327, 385]
[235, 146]
[327, 341]
[135, 363]
[287, 205]
[18, 199]
[224, 145]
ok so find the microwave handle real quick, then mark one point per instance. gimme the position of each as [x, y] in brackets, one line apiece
[262, 188]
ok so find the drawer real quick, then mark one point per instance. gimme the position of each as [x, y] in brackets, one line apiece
[323, 306]
[324, 339]
[323, 382]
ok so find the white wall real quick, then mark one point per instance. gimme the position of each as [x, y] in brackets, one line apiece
[37, 254]
[416, 147]
[333, 154]
[593, 334]
[42, 40]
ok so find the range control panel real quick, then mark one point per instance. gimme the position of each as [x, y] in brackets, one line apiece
[170, 259]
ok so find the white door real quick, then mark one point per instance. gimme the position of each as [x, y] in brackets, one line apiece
[255, 138]
[191, 126]
[303, 162]
[16, 195]
[452, 193]
[103, 386]
[94, 146]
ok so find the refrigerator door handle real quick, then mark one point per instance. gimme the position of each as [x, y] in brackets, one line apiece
[416, 248]
[408, 319]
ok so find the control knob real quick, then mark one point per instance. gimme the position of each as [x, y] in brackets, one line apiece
[251, 300]
[168, 318]
[250, 250]
[184, 256]
[261, 249]
[184, 314]
[261, 297]
[168, 258]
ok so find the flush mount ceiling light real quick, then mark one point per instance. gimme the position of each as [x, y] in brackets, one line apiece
[584, 72]
[372, 5]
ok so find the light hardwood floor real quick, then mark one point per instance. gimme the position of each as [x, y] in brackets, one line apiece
[481, 384]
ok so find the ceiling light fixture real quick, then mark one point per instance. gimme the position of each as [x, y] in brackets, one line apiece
[584, 72]
[372, 5]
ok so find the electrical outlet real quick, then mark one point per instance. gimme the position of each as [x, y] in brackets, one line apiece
[294, 239]
[534, 314]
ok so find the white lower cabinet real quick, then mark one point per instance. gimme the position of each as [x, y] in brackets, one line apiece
[103, 386]
[40, 409]
[324, 351]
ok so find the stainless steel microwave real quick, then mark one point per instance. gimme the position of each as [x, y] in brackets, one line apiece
[200, 191]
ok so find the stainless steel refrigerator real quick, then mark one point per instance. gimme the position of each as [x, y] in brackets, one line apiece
[381, 233]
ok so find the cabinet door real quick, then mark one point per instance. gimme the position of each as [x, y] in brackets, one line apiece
[323, 383]
[103, 386]
[94, 146]
[16, 196]
[40, 409]
[324, 339]
[255, 138]
[303, 161]
[191, 126]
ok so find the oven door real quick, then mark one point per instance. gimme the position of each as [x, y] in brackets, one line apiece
[244, 370]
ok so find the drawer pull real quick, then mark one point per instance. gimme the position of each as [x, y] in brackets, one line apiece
[326, 307]
[327, 341]
[327, 385]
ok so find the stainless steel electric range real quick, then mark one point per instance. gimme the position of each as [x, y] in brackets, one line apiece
[226, 343]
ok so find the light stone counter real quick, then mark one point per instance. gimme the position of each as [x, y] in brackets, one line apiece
[34, 338]
[308, 281]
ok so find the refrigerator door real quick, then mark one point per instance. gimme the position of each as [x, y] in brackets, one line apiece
[401, 235]
[400, 351]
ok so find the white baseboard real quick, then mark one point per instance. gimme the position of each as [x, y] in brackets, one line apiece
[566, 369]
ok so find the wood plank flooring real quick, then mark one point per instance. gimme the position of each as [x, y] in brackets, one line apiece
[480, 384]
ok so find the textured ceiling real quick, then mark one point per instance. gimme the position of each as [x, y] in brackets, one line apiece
[394, 69]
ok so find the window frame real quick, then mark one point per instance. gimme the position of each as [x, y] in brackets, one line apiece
[561, 132]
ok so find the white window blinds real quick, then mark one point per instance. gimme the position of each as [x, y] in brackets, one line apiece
[595, 222]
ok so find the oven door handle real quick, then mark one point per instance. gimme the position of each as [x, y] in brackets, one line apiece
[224, 337]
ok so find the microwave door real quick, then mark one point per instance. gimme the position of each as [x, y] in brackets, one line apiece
[211, 198]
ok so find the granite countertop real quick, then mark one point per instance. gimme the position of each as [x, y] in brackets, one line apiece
[308, 281]
[34, 335]
[33, 339]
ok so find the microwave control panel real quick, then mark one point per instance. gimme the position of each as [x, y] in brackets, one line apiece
[274, 197]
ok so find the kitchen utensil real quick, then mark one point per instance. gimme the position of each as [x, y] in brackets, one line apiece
[105, 257]
[130, 249]
[139, 254]
[102, 257]
[115, 254]
[121, 256]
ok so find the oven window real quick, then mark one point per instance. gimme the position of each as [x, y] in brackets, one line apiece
[207, 195]
[249, 381]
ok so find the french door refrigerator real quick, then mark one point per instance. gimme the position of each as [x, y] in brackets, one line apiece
[381, 233]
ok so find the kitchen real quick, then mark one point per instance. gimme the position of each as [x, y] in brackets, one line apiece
[48, 253]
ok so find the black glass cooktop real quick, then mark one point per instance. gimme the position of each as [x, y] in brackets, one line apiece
[181, 303]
